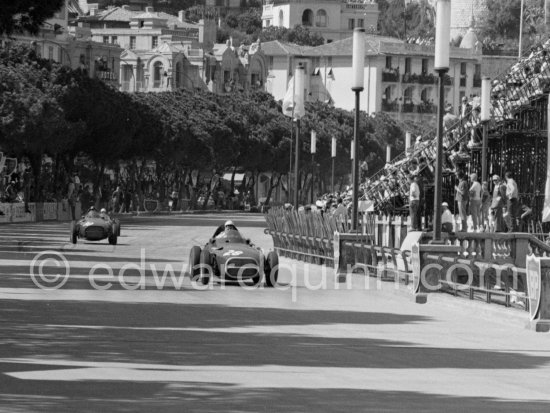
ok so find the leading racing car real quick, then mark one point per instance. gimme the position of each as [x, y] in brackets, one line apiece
[95, 226]
[229, 256]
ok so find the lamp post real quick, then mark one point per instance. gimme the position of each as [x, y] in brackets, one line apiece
[333, 156]
[520, 31]
[485, 117]
[298, 112]
[358, 68]
[442, 40]
[313, 149]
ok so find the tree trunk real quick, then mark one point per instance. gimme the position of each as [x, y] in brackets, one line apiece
[272, 186]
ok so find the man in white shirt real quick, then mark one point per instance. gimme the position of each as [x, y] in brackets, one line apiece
[414, 204]
[446, 218]
[475, 202]
[512, 201]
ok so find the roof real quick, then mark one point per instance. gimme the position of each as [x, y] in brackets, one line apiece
[278, 48]
[120, 14]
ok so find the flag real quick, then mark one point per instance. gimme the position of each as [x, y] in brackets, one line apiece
[546, 208]
[293, 104]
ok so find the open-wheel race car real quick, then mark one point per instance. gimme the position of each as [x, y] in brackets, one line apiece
[230, 257]
[95, 226]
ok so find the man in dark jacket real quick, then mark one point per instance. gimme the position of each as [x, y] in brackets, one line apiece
[462, 200]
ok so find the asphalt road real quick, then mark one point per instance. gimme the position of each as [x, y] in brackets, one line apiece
[127, 331]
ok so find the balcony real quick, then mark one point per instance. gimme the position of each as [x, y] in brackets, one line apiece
[408, 108]
[426, 108]
[390, 75]
[427, 79]
[390, 106]
[448, 80]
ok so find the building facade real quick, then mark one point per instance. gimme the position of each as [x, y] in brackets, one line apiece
[399, 77]
[332, 19]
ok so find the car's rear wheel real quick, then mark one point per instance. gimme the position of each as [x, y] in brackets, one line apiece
[113, 238]
[194, 262]
[205, 267]
[74, 235]
[271, 269]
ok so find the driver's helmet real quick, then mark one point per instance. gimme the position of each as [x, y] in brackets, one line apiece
[103, 211]
[92, 208]
[230, 225]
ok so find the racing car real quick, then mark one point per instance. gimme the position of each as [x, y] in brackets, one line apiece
[229, 256]
[95, 226]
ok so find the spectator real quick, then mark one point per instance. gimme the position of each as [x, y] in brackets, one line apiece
[475, 202]
[462, 200]
[11, 192]
[127, 200]
[465, 110]
[485, 206]
[72, 195]
[449, 120]
[524, 218]
[341, 211]
[498, 203]
[446, 218]
[512, 205]
[414, 204]
[117, 198]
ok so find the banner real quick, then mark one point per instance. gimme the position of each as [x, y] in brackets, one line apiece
[546, 208]
[293, 104]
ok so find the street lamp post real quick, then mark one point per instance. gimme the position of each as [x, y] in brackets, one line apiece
[313, 149]
[442, 40]
[333, 156]
[358, 68]
[299, 109]
[485, 117]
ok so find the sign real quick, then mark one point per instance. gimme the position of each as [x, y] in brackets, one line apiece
[534, 287]
[49, 211]
[150, 205]
[415, 263]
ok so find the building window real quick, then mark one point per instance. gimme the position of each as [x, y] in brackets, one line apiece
[329, 61]
[226, 76]
[408, 65]
[477, 70]
[463, 68]
[281, 18]
[268, 23]
[132, 42]
[158, 72]
[424, 66]
[141, 23]
[351, 24]
[105, 39]
[50, 52]
[114, 39]
[154, 42]
[321, 19]
[307, 18]
[270, 63]
[360, 22]
[388, 62]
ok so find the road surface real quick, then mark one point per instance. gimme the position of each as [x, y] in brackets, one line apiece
[128, 332]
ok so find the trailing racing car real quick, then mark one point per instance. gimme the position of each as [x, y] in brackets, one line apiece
[229, 256]
[95, 226]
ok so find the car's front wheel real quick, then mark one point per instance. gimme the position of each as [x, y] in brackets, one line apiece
[205, 267]
[271, 269]
[194, 262]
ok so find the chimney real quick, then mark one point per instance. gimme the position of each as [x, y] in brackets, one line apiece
[181, 16]
[149, 9]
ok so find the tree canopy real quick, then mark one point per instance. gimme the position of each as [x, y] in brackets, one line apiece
[20, 16]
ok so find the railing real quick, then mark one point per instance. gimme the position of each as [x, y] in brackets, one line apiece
[390, 76]
[427, 79]
[390, 106]
[408, 108]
